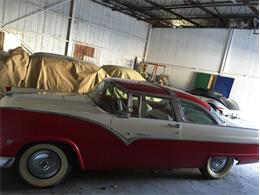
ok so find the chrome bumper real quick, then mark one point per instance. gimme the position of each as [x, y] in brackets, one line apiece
[6, 161]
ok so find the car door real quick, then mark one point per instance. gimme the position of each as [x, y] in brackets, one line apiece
[201, 134]
[151, 132]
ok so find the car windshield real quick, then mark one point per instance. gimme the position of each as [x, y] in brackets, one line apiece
[109, 97]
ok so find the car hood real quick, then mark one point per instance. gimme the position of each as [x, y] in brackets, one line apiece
[239, 123]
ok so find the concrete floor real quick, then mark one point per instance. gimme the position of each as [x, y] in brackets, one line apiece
[243, 179]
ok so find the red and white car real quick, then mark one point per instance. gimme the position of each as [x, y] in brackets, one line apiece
[121, 124]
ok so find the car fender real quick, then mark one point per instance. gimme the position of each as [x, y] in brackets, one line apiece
[57, 140]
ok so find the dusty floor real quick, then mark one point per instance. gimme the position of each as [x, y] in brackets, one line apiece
[243, 179]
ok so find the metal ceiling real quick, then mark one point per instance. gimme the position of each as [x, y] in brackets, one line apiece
[190, 13]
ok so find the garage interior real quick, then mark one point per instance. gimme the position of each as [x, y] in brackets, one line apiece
[187, 37]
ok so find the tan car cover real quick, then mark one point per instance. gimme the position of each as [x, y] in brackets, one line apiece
[62, 74]
[122, 72]
[48, 71]
[13, 66]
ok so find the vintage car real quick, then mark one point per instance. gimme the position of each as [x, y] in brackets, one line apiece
[121, 124]
[122, 72]
[225, 106]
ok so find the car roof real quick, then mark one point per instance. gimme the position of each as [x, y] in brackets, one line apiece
[155, 89]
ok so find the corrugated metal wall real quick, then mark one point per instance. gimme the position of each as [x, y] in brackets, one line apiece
[243, 58]
[43, 31]
[192, 48]
[117, 38]
[187, 51]
[204, 49]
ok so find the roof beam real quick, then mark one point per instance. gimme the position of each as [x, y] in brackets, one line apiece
[198, 5]
[168, 24]
[119, 10]
[187, 6]
[172, 12]
[134, 13]
[211, 18]
[251, 7]
[38, 11]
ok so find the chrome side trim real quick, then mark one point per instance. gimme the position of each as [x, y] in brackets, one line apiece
[6, 162]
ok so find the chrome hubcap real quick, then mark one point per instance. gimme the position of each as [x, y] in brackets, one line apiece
[44, 164]
[218, 164]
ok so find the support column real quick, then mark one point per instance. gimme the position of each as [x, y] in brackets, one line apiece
[68, 46]
[147, 40]
[227, 51]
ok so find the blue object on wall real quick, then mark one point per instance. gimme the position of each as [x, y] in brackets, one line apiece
[223, 85]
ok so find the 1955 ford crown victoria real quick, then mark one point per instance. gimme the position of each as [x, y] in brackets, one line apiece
[121, 124]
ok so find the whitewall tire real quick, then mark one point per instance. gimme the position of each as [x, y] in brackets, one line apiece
[217, 167]
[43, 165]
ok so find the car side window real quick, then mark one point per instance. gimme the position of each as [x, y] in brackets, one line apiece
[156, 108]
[196, 114]
[110, 98]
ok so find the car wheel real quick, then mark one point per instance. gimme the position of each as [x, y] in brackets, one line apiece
[43, 165]
[217, 167]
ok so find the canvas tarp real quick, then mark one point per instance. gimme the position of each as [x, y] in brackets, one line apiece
[13, 67]
[50, 72]
[62, 74]
[122, 72]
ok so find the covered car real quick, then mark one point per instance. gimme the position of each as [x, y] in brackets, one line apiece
[120, 124]
[61, 74]
[225, 106]
[48, 71]
[122, 72]
[13, 67]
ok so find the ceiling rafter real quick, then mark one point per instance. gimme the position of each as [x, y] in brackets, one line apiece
[188, 6]
[209, 18]
[189, 13]
[139, 16]
[173, 13]
[145, 15]
[251, 7]
[207, 11]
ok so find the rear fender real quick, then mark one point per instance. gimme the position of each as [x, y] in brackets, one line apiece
[70, 143]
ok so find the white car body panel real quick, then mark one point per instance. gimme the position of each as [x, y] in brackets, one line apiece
[127, 129]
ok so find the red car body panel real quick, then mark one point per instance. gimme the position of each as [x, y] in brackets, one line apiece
[98, 149]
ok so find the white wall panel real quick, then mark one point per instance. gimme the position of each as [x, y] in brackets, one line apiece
[246, 92]
[44, 31]
[2, 10]
[204, 49]
[118, 37]
[243, 58]
[194, 48]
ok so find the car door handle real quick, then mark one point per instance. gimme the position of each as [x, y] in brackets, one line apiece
[177, 126]
[142, 134]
